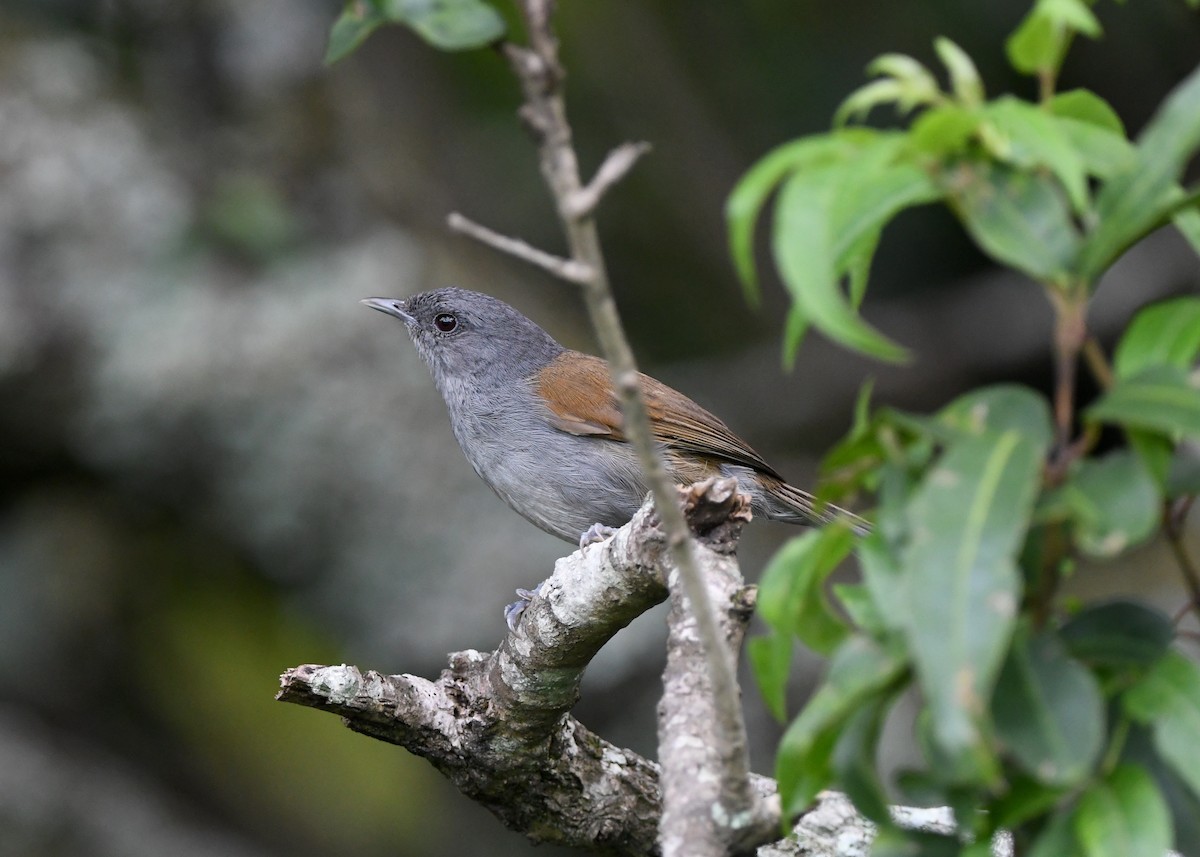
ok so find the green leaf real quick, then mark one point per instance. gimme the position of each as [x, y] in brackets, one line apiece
[884, 581]
[771, 660]
[794, 328]
[916, 85]
[901, 67]
[1017, 218]
[1102, 153]
[1124, 816]
[449, 25]
[1086, 106]
[1057, 839]
[1184, 805]
[750, 193]
[1169, 699]
[1036, 45]
[944, 130]
[837, 194]
[1155, 452]
[1028, 137]
[1187, 221]
[854, 760]
[804, 250]
[1025, 799]
[856, 599]
[967, 521]
[859, 669]
[1115, 503]
[1094, 131]
[874, 189]
[861, 101]
[358, 20]
[1041, 40]
[964, 77]
[1072, 14]
[1167, 332]
[999, 408]
[791, 595]
[1048, 711]
[1161, 398]
[803, 766]
[1118, 634]
[897, 842]
[858, 260]
[1133, 202]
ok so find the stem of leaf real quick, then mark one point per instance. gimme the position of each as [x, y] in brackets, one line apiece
[1070, 333]
[1097, 362]
[1115, 745]
[1047, 81]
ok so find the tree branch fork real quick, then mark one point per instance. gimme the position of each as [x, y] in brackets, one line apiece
[497, 723]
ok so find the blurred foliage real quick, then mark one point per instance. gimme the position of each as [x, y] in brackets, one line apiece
[331, 787]
[248, 218]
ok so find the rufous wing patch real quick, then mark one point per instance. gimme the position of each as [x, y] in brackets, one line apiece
[579, 394]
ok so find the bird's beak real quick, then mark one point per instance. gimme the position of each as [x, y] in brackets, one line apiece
[392, 306]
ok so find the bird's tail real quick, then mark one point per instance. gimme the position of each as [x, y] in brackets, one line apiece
[796, 506]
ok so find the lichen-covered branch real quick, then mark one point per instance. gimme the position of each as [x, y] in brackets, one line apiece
[696, 803]
[496, 724]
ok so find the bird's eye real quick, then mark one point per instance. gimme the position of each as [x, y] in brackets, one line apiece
[445, 322]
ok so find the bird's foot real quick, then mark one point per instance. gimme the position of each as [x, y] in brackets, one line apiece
[595, 534]
[512, 613]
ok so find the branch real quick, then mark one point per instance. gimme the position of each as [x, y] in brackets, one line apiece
[691, 744]
[618, 163]
[1070, 334]
[566, 269]
[496, 723]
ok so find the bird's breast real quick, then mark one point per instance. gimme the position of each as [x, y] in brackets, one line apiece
[560, 482]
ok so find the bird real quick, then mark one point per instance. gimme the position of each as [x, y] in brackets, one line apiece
[542, 426]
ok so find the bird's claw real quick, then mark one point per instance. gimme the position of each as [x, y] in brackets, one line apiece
[595, 534]
[513, 612]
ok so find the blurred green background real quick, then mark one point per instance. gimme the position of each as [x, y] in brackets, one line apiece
[214, 464]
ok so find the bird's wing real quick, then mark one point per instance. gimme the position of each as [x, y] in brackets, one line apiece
[676, 421]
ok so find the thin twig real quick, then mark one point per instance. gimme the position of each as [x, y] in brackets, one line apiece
[615, 167]
[567, 269]
[1070, 332]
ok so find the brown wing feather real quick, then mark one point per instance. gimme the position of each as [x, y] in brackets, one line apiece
[566, 384]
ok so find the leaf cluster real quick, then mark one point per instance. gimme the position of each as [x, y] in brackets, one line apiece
[1054, 188]
[1074, 726]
